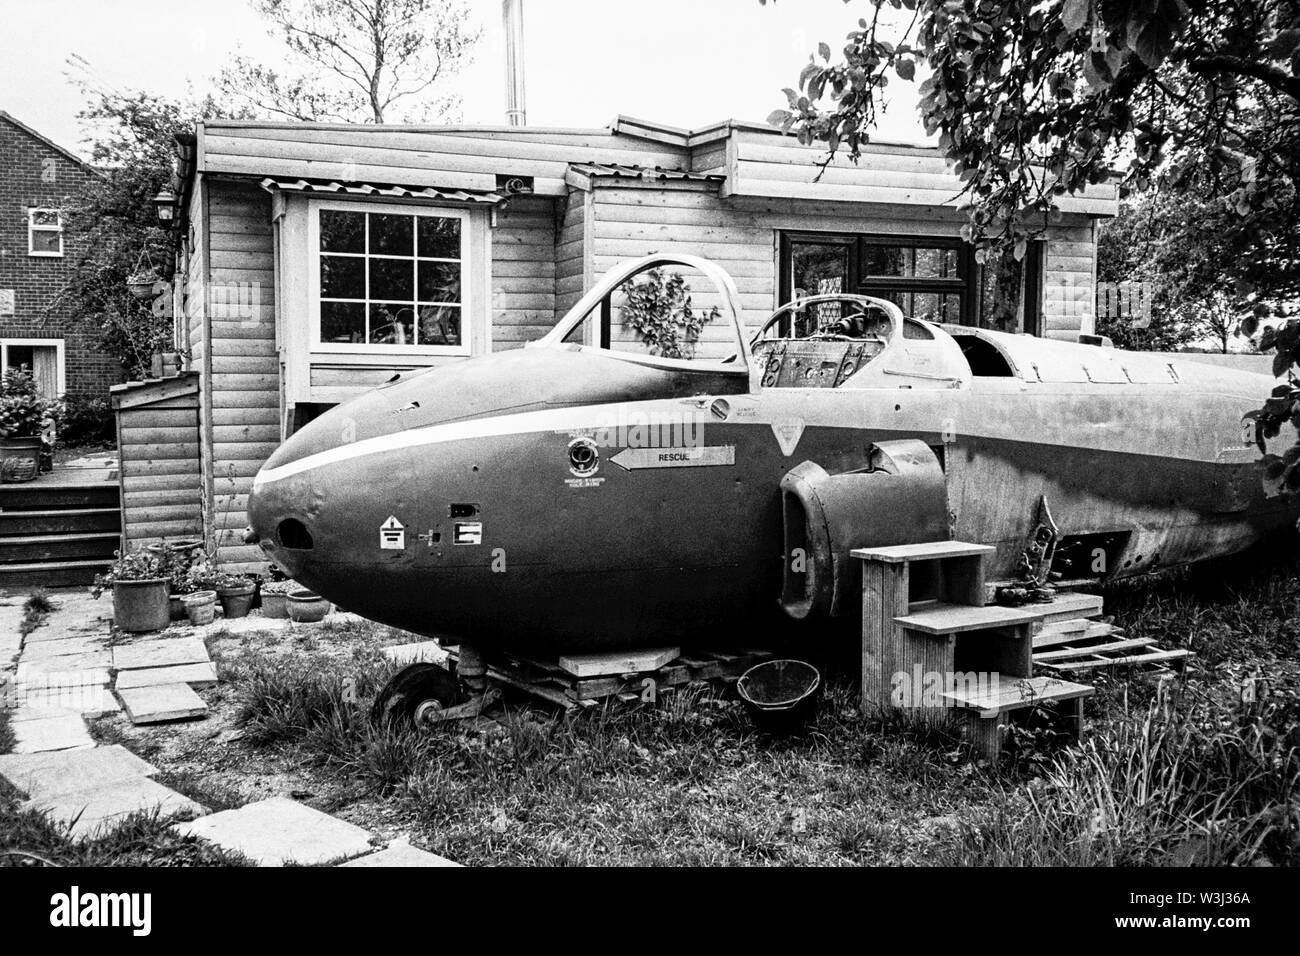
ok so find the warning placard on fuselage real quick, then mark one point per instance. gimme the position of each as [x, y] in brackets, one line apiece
[392, 535]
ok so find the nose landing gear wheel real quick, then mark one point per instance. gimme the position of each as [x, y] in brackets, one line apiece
[415, 693]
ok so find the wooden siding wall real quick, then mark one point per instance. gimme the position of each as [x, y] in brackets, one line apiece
[523, 271]
[160, 478]
[573, 251]
[739, 234]
[241, 371]
[762, 164]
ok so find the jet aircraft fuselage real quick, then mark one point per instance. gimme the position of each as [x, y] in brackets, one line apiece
[571, 497]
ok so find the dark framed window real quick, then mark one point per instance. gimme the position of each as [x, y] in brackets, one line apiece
[935, 278]
[390, 278]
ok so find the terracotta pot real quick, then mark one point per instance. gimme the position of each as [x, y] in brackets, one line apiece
[236, 601]
[141, 605]
[201, 607]
[275, 605]
[20, 458]
[307, 607]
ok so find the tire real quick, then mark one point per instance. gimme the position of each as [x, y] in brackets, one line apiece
[414, 684]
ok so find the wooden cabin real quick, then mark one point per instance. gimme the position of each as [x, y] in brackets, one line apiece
[291, 234]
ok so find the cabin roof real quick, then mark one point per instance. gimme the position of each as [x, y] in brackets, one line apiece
[741, 158]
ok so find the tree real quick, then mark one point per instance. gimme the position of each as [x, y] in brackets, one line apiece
[354, 60]
[1172, 246]
[113, 222]
[1035, 99]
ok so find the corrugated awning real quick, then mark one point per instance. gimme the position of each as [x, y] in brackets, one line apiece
[379, 190]
[644, 173]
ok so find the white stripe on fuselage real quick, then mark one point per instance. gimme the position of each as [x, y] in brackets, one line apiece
[926, 412]
[572, 418]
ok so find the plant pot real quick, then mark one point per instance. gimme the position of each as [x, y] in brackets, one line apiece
[140, 285]
[307, 607]
[275, 605]
[176, 607]
[201, 607]
[141, 605]
[20, 458]
[236, 601]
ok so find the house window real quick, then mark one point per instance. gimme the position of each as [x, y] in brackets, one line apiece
[44, 232]
[391, 280]
[40, 358]
[934, 278]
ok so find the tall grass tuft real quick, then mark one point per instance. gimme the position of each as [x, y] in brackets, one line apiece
[1186, 780]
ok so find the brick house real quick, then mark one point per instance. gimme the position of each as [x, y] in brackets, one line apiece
[37, 178]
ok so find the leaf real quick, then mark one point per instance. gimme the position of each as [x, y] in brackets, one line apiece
[824, 49]
[906, 69]
[779, 118]
[1074, 15]
[1151, 33]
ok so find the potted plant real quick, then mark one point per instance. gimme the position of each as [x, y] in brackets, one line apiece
[307, 607]
[275, 597]
[179, 559]
[235, 592]
[24, 417]
[141, 282]
[139, 583]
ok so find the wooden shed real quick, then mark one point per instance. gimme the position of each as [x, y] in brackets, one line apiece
[289, 229]
[159, 475]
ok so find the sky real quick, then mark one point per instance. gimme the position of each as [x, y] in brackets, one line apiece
[686, 63]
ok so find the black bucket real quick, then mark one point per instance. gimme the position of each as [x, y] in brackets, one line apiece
[780, 695]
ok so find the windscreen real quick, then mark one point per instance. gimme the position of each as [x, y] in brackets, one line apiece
[671, 311]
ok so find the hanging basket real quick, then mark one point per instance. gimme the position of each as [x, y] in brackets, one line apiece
[140, 285]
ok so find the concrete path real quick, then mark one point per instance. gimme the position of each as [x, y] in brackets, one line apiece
[63, 670]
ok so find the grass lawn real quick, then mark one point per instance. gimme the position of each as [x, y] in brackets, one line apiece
[1188, 770]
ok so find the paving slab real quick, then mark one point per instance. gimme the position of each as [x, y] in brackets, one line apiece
[161, 702]
[196, 675]
[50, 774]
[160, 652]
[93, 701]
[85, 644]
[278, 831]
[430, 652]
[97, 807]
[60, 732]
[400, 854]
[69, 670]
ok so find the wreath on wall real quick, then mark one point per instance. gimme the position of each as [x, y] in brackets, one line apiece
[658, 307]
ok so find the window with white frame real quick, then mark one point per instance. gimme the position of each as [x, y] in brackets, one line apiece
[390, 280]
[42, 359]
[44, 232]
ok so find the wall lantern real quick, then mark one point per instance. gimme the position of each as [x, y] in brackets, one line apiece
[164, 205]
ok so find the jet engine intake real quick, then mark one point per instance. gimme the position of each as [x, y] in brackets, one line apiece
[901, 497]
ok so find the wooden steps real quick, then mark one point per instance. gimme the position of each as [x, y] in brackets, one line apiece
[52, 574]
[1082, 645]
[1017, 693]
[925, 551]
[943, 618]
[57, 533]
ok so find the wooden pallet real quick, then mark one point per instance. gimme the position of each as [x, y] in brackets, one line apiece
[549, 681]
[1077, 645]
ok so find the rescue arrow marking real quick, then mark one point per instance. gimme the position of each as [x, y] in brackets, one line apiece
[630, 459]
